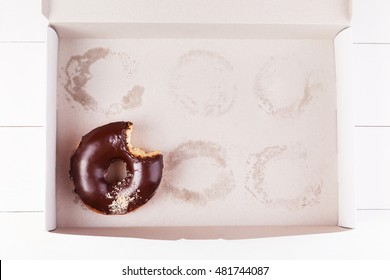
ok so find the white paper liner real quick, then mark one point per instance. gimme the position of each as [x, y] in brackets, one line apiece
[247, 127]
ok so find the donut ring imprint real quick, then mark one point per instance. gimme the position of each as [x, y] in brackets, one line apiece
[96, 152]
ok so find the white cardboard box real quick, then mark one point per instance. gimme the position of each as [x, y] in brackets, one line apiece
[249, 103]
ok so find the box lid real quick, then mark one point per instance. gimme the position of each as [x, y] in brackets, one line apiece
[321, 12]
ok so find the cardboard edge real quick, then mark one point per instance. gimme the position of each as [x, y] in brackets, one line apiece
[350, 5]
[345, 128]
[195, 30]
[51, 123]
[199, 11]
[201, 233]
[45, 4]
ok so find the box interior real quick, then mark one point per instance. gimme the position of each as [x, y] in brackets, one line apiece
[244, 114]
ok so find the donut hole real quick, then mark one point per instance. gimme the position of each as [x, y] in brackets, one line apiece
[117, 171]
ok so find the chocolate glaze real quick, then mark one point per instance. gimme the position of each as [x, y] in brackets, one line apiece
[90, 162]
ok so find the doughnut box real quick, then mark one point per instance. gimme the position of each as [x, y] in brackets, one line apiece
[248, 101]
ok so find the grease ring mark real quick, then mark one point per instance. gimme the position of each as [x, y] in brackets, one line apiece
[191, 150]
[309, 196]
[268, 88]
[77, 73]
[203, 83]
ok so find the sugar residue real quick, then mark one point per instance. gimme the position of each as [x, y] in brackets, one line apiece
[123, 195]
[257, 186]
[192, 150]
[203, 83]
[133, 98]
[283, 90]
[77, 75]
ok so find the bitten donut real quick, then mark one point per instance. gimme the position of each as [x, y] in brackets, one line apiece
[96, 152]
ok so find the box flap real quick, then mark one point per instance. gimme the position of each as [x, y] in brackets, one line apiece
[51, 127]
[345, 128]
[200, 11]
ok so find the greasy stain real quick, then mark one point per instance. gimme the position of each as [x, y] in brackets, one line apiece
[77, 75]
[133, 98]
[195, 149]
[264, 81]
[260, 190]
[203, 83]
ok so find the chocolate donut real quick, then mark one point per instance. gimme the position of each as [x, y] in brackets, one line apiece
[96, 152]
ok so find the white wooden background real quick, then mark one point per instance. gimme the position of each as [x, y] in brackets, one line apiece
[22, 165]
